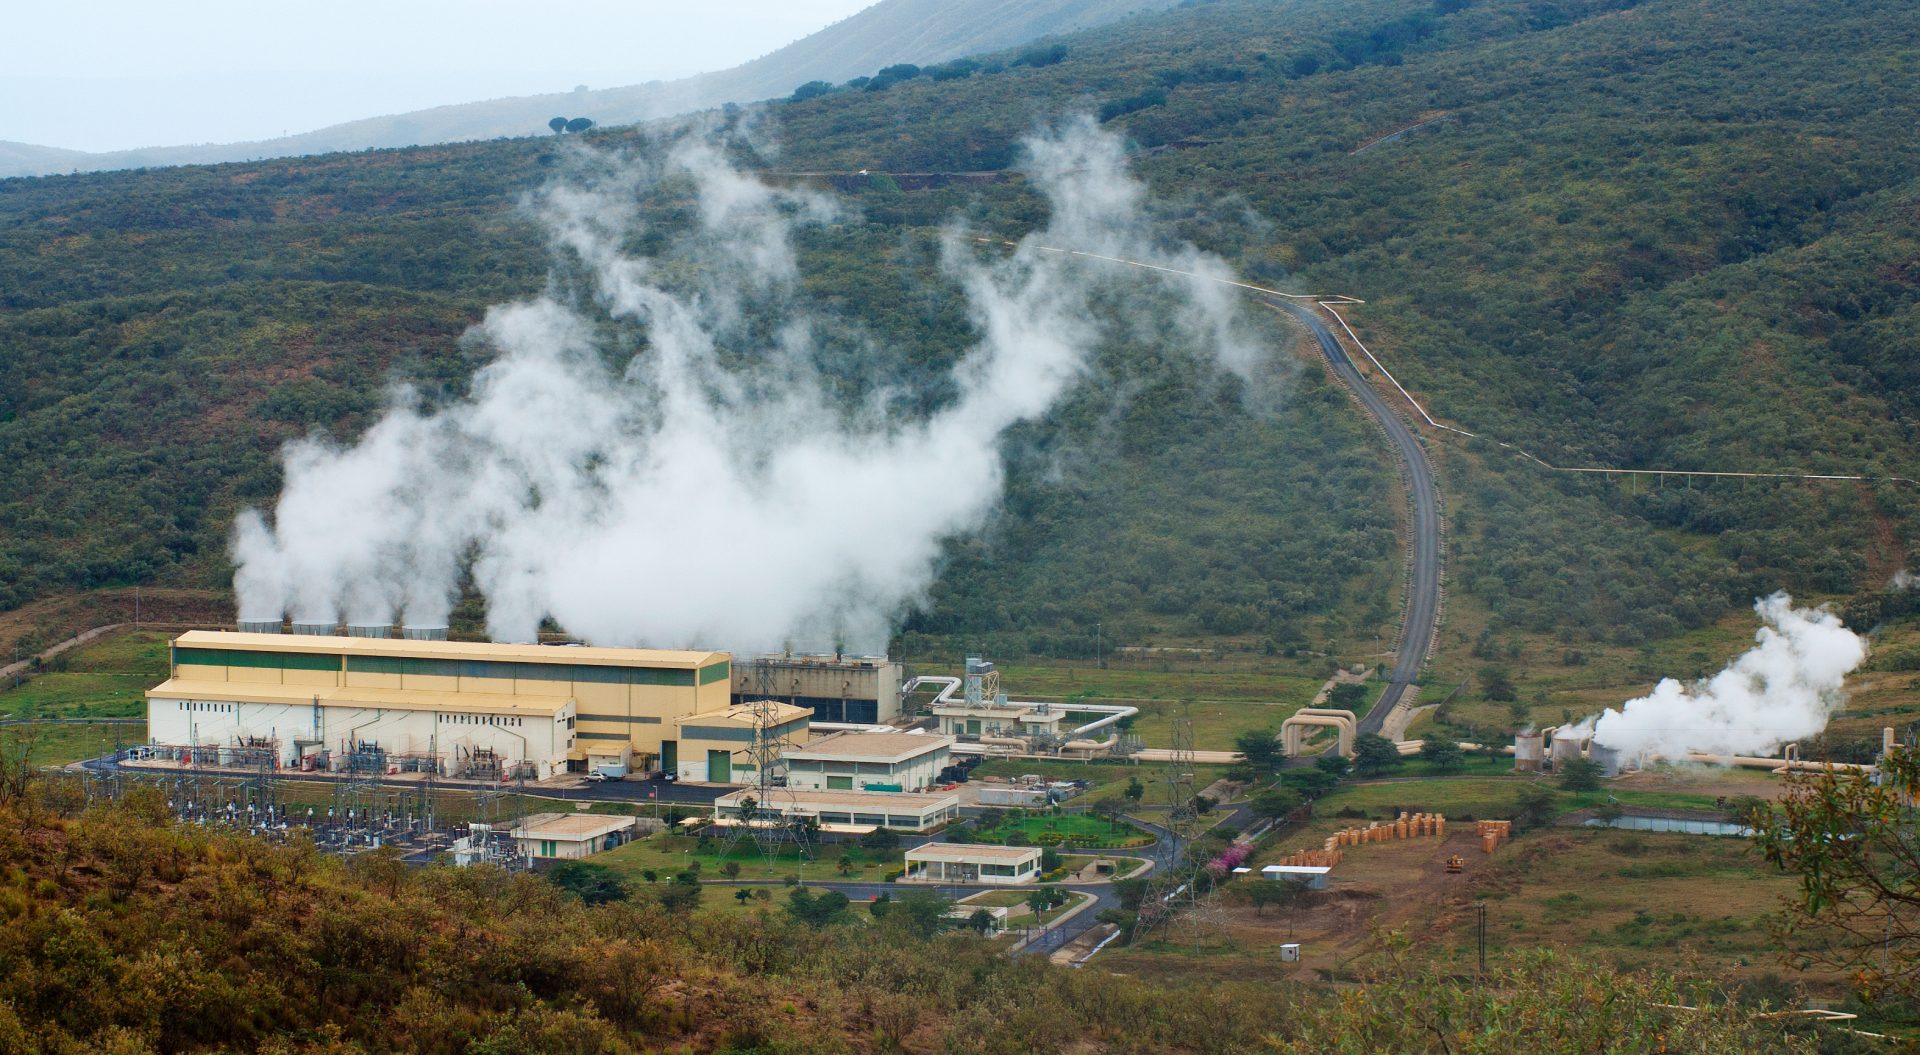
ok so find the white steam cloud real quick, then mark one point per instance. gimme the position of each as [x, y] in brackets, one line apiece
[1783, 689]
[693, 495]
[1904, 580]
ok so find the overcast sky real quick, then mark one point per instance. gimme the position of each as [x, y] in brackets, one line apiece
[114, 74]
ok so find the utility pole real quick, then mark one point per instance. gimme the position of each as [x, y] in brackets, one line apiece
[1099, 648]
[1480, 934]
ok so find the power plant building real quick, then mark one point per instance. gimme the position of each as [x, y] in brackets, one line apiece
[869, 762]
[459, 709]
[859, 689]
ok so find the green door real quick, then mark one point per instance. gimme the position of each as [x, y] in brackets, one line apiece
[973, 727]
[719, 767]
[670, 757]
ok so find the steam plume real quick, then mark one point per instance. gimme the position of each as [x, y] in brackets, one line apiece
[1904, 580]
[698, 493]
[1783, 689]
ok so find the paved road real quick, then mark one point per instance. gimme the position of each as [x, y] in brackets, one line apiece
[1419, 622]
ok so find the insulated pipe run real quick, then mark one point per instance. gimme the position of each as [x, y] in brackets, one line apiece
[1778, 765]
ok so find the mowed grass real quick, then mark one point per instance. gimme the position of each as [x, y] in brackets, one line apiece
[58, 744]
[107, 678]
[1109, 778]
[667, 855]
[1081, 829]
[1286, 683]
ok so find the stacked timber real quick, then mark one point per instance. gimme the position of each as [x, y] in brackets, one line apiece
[1493, 833]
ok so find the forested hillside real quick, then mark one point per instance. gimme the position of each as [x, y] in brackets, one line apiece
[1660, 234]
[127, 933]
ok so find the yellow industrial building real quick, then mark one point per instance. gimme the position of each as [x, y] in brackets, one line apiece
[464, 709]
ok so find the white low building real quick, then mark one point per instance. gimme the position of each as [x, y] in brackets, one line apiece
[1313, 877]
[569, 836]
[837, 811]
[973, 863]
[868, 762]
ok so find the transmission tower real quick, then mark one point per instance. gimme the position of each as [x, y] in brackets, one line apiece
[770, 829]
[1180, 789]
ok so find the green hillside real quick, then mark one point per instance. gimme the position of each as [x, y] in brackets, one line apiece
[1664, 235]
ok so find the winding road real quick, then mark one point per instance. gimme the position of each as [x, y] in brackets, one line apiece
[1421, 618]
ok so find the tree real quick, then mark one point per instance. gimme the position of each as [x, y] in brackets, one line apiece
[681, 896]
[591, 883]
[1131, 892]
[1276, 803]
[650, 875]
[1374, 754]
[1533, 806]
[816, 910]
[579, 124]
[1443, 753]
[1333, 764]
[731, 869]
[1496, 683]
[1580, 774]
[743, 895]
[810, 90]
[981, 921]
[1050, 859]
[1347, 696]
[1310, 783]
[881, 839]
[558, 124]
[921, 914]
[1135, 791]
[844, 865]
[1850, 839]
[1259, 747]
[1273, 892]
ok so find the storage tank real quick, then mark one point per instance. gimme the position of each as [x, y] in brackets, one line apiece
[1568, 746]
[1608, 759]
[1529, 748]
[423, 633]
[260, 626]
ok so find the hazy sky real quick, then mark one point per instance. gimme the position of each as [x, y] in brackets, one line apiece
[113, 74]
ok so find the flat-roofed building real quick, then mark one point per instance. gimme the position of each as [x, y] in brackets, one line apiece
[961, 718]
[973, 863]
[836, 688]
[316, 700]
[840, 811]
[716, 747]
[569, 836]
[869, 762]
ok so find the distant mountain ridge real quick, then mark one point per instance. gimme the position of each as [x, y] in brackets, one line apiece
[892, 31]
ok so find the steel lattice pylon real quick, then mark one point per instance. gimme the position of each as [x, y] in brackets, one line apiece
[771, 830]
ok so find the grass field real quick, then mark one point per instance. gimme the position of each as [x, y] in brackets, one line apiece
[1109, 779]
[108, 679]
[669, 854]
[1082, 830]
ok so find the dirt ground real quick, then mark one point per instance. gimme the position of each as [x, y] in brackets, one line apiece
[1634, 900]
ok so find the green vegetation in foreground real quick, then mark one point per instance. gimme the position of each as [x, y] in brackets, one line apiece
[57, 744]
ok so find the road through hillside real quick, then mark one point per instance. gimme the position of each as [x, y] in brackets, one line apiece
[1421, 618]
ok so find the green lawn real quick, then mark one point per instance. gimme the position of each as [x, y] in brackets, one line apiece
[108, 678]
[997, 899]
[58, 744]
[1109, 779]
[669, 854]
[1276, 685]
[1076, 829]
